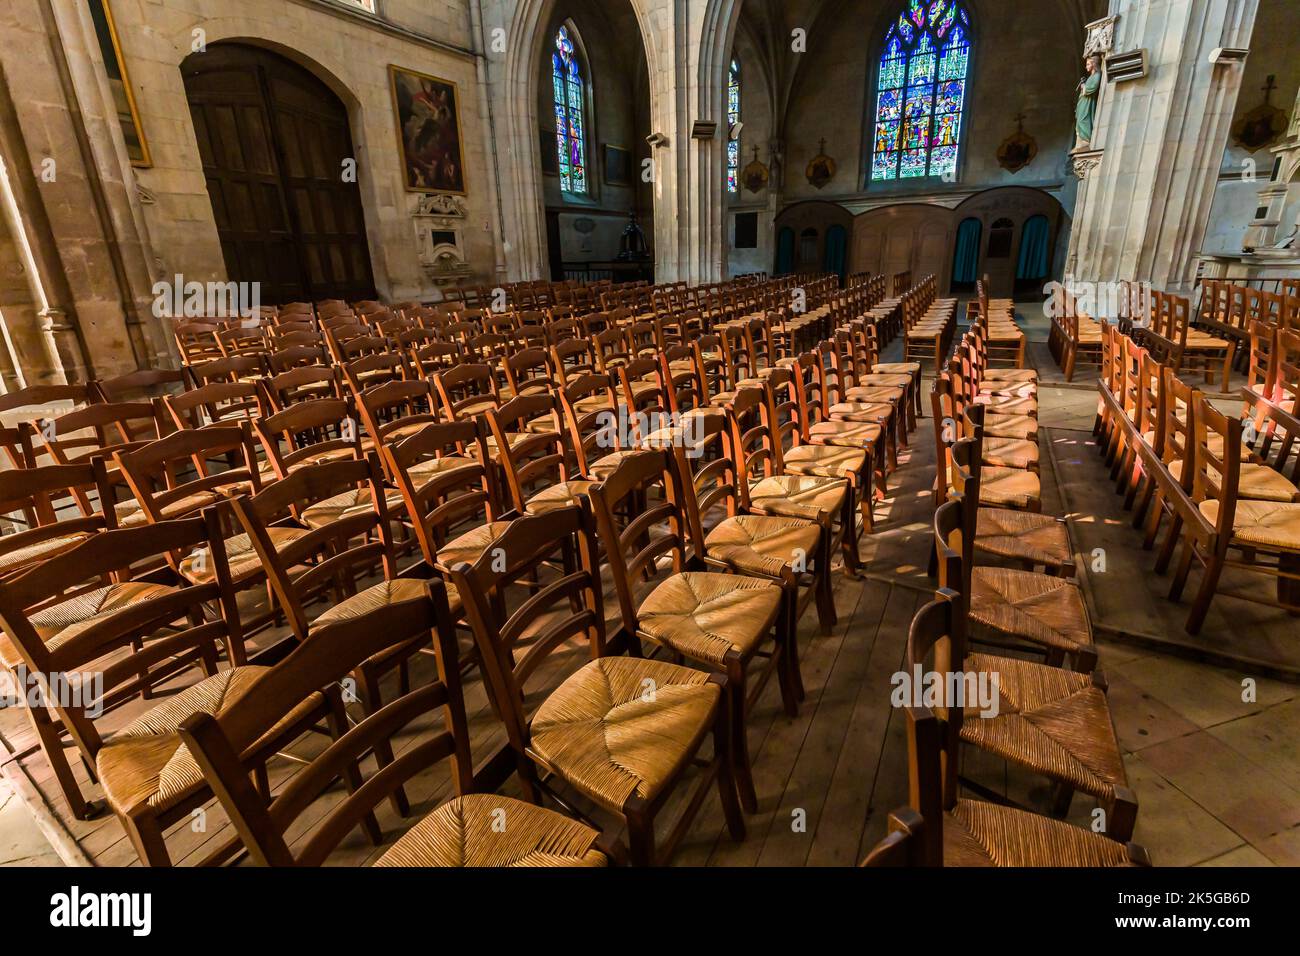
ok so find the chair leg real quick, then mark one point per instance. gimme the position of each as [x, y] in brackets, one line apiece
[51, 742]
[1184, 569]
[147, 839]
[373, 701]
[736, 691]
[1155, 516]
[641, 837]
[1171, 542]
[724, 758]
[1205, 596]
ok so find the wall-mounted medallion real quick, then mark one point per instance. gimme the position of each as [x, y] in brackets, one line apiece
[755, 176]
[1263, 125]
[1019, 149]
[822, 168]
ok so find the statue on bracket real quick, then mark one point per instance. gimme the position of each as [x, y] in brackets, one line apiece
[822, 168]
[1085, 111]
[1019, 149]
[755, 175]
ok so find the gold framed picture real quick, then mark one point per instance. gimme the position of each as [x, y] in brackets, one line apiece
[128, 117]
[429, 139]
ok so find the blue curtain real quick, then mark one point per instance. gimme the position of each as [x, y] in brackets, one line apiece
[966, 261]
[837, 243]
[1035, 257]
[785, 252]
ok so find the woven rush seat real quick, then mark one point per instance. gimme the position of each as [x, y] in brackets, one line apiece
[1011, 426]
[428, 469]
[1010, 389]
[1011, 453]
[604, 735]
[1023, 535]
[467, 832]
[1010, 375]
[1254, 481]
[826, 461]
[846, 434]
[704, 616]
[345, 505]
[873, 395]
[1049, 720]
[131, 515]
[761, 544]
[41, 550]
[1010, 487]
[381, 595]
[797, 496]
[241, 555]
[514, 439]
[883, 380]
[145, 763]
[865, 412]
[562, 495]
[1044, 610]
[467, 548]
[1268, 524]
[899, 368]
[60, 623]
[985, 834]
[1009, 405]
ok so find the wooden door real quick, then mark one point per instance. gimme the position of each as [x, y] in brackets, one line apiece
[278, 158]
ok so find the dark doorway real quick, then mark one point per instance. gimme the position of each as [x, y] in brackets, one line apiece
[280, 166]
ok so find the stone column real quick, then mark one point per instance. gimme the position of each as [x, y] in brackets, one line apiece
[1149, 179]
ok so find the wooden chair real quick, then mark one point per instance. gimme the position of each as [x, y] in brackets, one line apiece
[37, 493]
[309, 432]
[1266, 534]
[565, 737]
[971, 833]
[111, 642]
[1050, 721]
[301, 384]
[460, 833]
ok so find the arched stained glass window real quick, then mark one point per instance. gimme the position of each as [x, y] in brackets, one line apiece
[921, 92]
[733, 117]
[570, 114]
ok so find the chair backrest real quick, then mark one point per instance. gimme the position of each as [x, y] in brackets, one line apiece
[37, 493]
[647, 485]
[218, 402]
[1215, 463]
[466, 390]
[299, 385]
[81, 570]
[313, 669]
[313, 430]
[444, 481]
[575, 597]
[153, 471]
[342, 541]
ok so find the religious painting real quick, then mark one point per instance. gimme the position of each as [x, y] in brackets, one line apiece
[756, 174]
[128, 117]
[822, 168]
[427, 109]
[618, 166]
[1017, 150]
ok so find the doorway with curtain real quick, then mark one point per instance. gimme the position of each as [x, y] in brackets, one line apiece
[785, 252]
[837, 251]
[966, 256]
[1034, 264]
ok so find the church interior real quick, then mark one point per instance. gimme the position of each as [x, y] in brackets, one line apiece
[586, 433]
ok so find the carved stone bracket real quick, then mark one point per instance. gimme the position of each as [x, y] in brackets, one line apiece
[1084, 161]
[1101, 36]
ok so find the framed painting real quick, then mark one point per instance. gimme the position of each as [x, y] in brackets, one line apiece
[618, 166]
[128, 117]
[427, 112]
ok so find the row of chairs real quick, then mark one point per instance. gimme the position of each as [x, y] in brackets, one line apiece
[1177, 458]
[1048, 720]
[420, 463]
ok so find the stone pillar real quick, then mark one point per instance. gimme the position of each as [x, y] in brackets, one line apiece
[1149, 179]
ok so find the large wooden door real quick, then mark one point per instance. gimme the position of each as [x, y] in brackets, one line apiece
[274, 140]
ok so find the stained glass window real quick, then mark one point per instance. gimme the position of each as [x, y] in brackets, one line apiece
[733, 117]
[921, 92]
[570, 114]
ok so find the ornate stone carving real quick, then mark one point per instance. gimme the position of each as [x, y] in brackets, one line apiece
[439, 220]
[1101, 36]
[1083, 162]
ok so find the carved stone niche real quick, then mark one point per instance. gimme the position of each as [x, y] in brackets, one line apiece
[440, 236]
